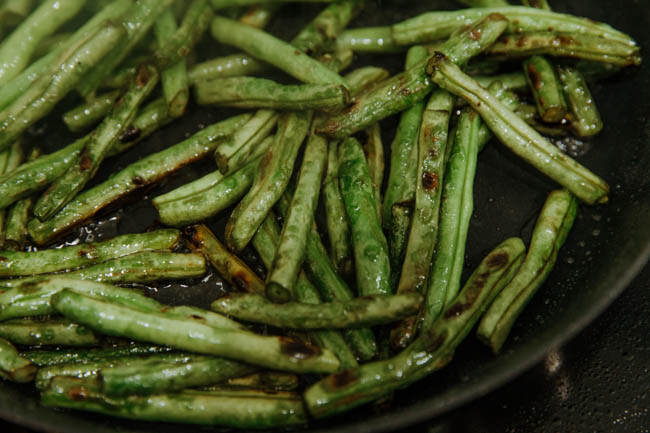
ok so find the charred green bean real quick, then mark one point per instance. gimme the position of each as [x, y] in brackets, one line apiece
[229, 266]
[551, 230]
[368, 240]
[360, 312]
[16, 263]
[282, 353]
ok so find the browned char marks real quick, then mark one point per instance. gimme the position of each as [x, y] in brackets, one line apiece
[143, 76]
[534, 76]
[342, 379]
[130, 133]
[78, 393]
[564, 40]
[297, 349]
[497, 260]
[241, 281]
[430, 181]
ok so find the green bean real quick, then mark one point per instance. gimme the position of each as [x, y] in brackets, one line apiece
[13, 366]
[432, 26]
[16, 263]
[96, 149]
[432, 350]
[61, 332]
[259, 16]
[369, 40]
[574, 45]
[228, 265]
[174, 78]
[519, 137]
[338, 227]
[33, 298]
[322, 33]
[248, 136]
[265, 243]
[222, 4]
[583, 114]
[140, 267]
[17, 49]
[406, 89]
[432, 147]
[89, 113]
[282, 353]
[46, 358]
[360, 312]
[210, 201]
[234, 65]
[270, 181]
[135, 176]
[546, 88]
[299, 218]
[551, 230]
[539, 4]
[274, 51]
[515, 81]
[61, 77]
[92, 368]
[136, 22]
[195, 407]
[249, 92]
[368, 240]
[251, 149]
[455, 215]
[154, 377]
[374, 149]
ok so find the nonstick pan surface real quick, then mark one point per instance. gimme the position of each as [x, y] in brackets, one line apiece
[608, 245]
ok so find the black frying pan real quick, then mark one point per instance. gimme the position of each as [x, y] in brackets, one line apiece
[607, 247]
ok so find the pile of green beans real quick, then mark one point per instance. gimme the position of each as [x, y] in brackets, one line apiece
[322, 314]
